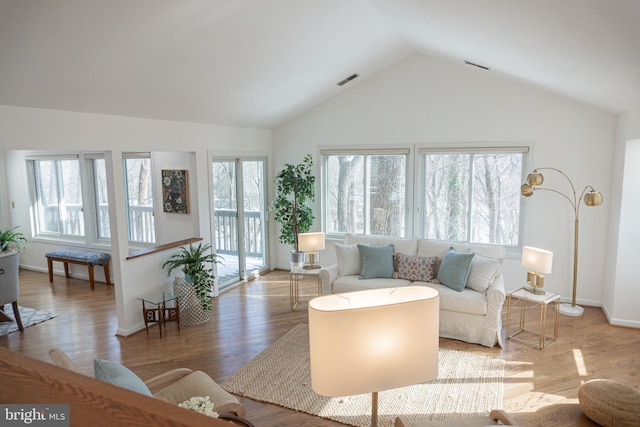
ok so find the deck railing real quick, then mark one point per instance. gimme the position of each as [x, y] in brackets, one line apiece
[141, 222]
[226, 232]
[142, 226]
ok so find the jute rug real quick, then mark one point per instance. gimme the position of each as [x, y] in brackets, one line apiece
[467, 384]
[29, 316]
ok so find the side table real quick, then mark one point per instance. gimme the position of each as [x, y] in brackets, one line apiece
[159, 312]
[527, 300]
[296, 275]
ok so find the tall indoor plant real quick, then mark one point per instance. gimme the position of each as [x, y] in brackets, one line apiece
[295, 189]
[195, 262]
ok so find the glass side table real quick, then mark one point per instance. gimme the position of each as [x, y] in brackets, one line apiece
[158, 312]
[296, 275]
[526, 300]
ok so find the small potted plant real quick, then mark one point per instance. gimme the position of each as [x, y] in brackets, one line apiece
[195, 262]
[10, 239]
[295, 189]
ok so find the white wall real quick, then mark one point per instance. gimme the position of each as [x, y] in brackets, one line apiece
[177, 144]
[621, 286]
[423, 100]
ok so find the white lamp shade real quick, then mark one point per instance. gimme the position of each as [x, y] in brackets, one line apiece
[536, 259]
[373, 340]
[311, 241]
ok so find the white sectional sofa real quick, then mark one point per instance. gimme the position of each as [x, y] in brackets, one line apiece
[472, 314]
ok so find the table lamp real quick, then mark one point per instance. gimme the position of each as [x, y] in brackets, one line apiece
[538, 261]
[373, 340]
[311, 243]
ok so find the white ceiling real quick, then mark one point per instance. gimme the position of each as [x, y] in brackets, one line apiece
[257, 63]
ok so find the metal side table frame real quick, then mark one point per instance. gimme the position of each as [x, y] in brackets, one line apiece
[520, 297]
[296, 275]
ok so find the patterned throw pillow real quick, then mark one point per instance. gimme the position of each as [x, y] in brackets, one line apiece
[415, 268]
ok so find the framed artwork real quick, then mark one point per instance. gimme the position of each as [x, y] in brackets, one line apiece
[175, 191]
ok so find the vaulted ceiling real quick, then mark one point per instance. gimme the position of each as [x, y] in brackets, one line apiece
[257, 63]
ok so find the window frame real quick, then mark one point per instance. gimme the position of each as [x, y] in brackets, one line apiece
[324, 156]
[414, 191]
[89, 198]
[469, 150]
[132, 156]
[35, 190]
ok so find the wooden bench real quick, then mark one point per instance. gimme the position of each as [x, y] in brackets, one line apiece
[76, 256]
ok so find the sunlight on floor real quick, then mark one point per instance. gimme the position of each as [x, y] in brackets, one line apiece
[580, 366]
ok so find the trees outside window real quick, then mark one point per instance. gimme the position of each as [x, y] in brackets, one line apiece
[462, 194]
[472, 197]
[139, 199]
[101, 198]
[58, 193]
[365, 193]
[71, 197]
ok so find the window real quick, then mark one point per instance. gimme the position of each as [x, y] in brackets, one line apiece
[463, 194]
[472, 196]
[366, 192]
[139, 194]
[58, 194]
[71, 197]
[101, 198]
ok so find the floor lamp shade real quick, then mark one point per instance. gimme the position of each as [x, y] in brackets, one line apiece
[373, 340]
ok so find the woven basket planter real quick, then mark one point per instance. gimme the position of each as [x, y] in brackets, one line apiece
[191, 312]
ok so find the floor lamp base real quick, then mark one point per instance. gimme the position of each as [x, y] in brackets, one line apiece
[571, 310]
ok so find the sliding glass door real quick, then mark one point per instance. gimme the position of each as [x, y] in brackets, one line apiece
[239, 213]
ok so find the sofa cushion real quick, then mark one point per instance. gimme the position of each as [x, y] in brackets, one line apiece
[403, 245]
[116, 374]
[354, 283]
[429, 248]
[483, 271]
[415, 268]
[377, 261]
[467, 301]
[454, 269]
[349, 259]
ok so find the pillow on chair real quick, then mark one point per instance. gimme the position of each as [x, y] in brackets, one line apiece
[198, 383]
[116, 374]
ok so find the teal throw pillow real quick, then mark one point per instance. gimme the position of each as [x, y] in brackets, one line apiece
[116, 374]
[377, 261]
[454, 269]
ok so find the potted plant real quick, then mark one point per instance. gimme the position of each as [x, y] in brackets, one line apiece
[10, 238]
[295, 188]
[195, 262]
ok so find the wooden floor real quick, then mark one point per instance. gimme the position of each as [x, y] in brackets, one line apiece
[540, 385]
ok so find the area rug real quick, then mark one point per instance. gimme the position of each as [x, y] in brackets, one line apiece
[29, 316]
[467, 384]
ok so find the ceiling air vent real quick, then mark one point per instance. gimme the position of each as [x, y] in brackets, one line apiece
[347, 80]
[476, 65]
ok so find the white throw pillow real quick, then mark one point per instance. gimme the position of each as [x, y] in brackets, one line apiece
[483, 272]
[349, 259]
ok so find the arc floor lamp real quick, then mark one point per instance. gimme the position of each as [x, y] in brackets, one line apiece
[591, 198]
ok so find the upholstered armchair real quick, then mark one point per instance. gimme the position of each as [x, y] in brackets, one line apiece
[174, 386]
[9, 285]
